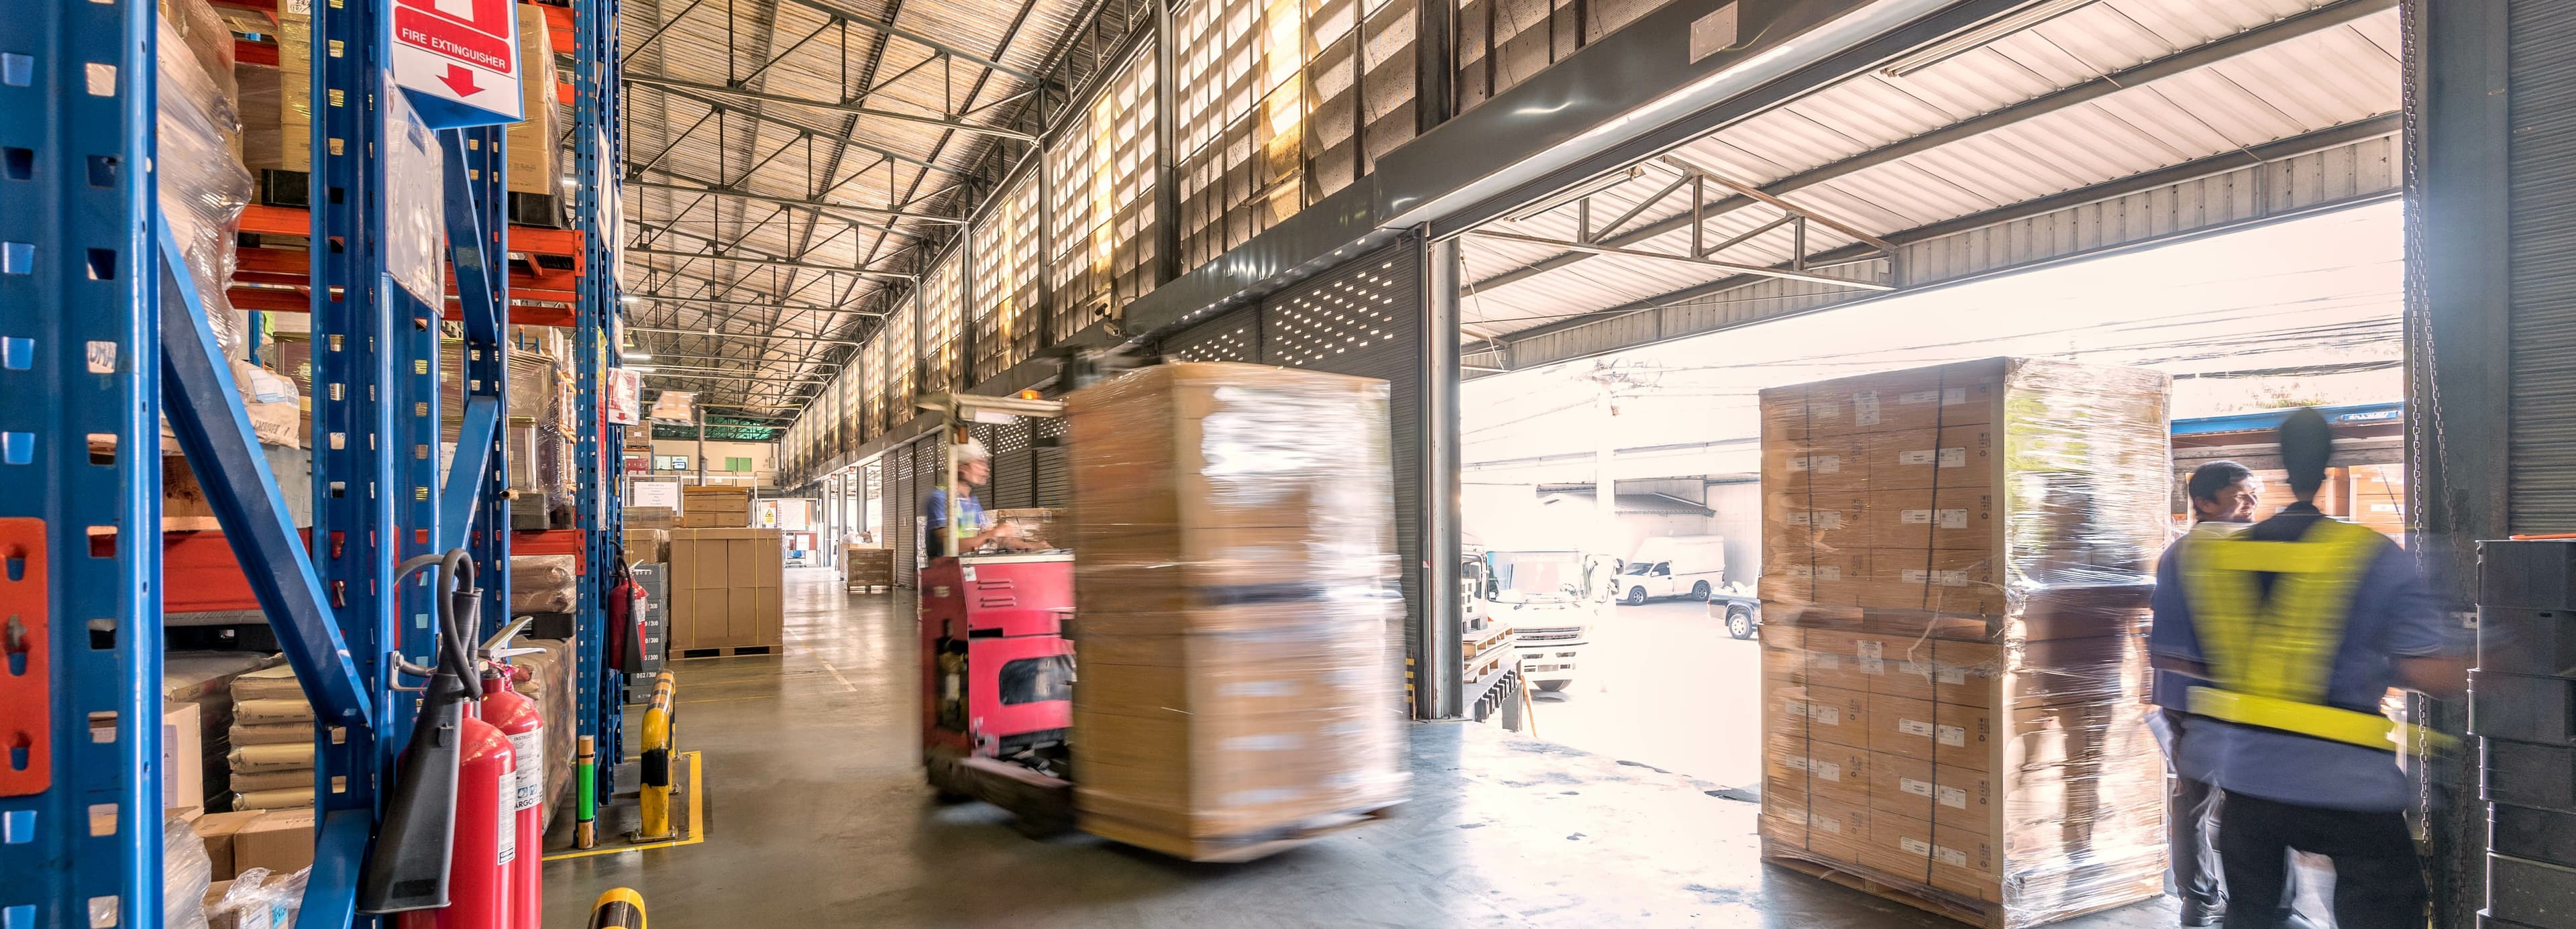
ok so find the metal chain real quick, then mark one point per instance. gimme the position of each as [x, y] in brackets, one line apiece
[2418, 323]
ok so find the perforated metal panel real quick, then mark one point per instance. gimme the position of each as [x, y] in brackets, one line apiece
[1364, 319]
[1054, 476]
[1234, 336]
[1014, 468]
[897, 509]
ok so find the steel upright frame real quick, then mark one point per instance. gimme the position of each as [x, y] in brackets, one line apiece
[79, 598]
[598, 147]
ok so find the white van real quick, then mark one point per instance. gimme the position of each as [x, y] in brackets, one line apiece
[1673, 566]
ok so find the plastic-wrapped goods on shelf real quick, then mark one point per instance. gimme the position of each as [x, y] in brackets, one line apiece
[186, 872]
[1240, 688]
[203, 186]
[1956, 567]
[541, 583]
[257, 899]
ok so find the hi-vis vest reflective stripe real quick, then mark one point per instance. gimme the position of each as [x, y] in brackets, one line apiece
[2272, 659]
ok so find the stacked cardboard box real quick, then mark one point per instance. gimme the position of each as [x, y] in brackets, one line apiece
[1956, 569]
[724, 588]
[647, 545]
[715, 507]
[1240, 690]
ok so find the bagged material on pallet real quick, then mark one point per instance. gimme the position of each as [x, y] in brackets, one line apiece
[541, 583]
[275, 682]
[292, 798]
[1956, 569]
[257, 899]
[270, 710]
[1240, 681]
[253, 759]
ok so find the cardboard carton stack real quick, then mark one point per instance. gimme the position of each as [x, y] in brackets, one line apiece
[1240, 688]
[202, 682]
[272, 741]
[1956, 563]
[865, 566]
[724, 589]
[715, 507]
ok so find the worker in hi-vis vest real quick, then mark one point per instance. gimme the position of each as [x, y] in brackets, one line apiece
[2291, 633]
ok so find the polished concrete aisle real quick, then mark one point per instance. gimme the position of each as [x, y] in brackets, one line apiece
[817, 816]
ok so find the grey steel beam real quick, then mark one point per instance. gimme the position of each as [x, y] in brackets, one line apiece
[729, 378]
[1443, 695]
[771, 263]
[753, 305]
[664, 83]
[2191, 59]
[824, 207]
[1737, 267]
[773, 337]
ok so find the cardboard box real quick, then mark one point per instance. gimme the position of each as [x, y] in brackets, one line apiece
[218, 829]
[1964, 737]
[1956, 799]
[1960, 518]
[532, 146]
[1927, 853]
[1950, 580]
[183, 756]
[1838, 773]
[1819, 519]
[1837, 829]
[647, 545]
[1902, 726]
[1952, 456]
[1833, 660]
[279, 840]
[1840, 717]
[1785, 710]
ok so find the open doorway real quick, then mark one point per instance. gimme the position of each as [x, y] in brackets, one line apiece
[1649, 597]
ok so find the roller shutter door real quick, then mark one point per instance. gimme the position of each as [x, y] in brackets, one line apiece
[899, 506]
[1054, 479]
[2541, 164]
[1364, 318]
[1235, 336]
[1014, 470]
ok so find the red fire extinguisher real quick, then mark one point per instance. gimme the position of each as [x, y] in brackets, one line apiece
[626, 609]
[486, 844]
[517, 719]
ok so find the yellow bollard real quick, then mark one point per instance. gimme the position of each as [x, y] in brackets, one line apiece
[619, 908]
[659, 750]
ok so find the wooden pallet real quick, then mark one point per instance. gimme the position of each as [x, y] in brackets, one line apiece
[732, 651]
[1477, 643]
[1239, 848]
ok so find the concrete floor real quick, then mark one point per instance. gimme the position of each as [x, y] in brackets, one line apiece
[1664, 684]
[817, 815]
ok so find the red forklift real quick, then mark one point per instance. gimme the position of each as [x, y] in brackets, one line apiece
[996, 669]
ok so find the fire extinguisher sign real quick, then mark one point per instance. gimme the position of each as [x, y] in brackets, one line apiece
[460, 53]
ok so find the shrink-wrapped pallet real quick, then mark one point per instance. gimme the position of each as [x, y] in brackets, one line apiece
[1239, 687]
[1956, 567]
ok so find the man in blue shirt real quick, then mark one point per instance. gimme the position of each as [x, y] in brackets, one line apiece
[2222, 497]
[974, 467]
[2291, 633]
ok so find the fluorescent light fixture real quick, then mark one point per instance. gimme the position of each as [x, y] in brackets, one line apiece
[628, 298]
[638, 356]
[1982, 36]
[648, 369]
[1578, 192]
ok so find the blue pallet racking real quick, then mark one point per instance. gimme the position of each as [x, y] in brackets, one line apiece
[102, 333]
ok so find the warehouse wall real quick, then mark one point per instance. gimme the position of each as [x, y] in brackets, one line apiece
[763, 455]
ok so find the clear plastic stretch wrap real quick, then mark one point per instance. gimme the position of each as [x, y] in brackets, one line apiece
[203, 186]
[1240, 686]
[541, 583]
[186, 872]
[1956, 567]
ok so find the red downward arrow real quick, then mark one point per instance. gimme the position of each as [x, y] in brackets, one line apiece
[461, 81]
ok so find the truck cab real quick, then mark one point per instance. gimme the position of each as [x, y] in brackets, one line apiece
[1540, 594]
[1673, 566]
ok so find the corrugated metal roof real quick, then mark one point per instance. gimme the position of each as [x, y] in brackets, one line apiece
[2330, 77]
[811, 50]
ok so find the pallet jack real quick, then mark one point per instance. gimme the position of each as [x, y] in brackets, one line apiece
[997, 671]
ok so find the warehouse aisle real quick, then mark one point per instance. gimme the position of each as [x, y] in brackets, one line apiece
[817, 815]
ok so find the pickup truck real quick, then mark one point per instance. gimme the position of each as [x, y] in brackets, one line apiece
[1673, 566]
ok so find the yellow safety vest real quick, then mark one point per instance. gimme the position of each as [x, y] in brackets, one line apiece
[2272, 659]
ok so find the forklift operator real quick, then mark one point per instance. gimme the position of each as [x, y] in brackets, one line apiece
[974, 466]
